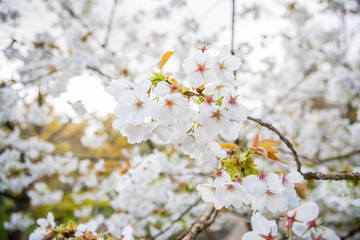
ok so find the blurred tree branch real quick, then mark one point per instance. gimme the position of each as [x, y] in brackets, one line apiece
[200, 224]
[110, 24]
[177, 219]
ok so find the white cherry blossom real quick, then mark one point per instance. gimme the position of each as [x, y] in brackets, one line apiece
[200, 69]
[262, 228]
[226, 64]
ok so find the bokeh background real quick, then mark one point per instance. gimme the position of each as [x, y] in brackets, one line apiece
[58, 151]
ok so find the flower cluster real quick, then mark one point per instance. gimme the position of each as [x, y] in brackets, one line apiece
[49, 230]
[189, 115]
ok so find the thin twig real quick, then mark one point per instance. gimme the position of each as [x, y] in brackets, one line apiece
[66, 7]
[346, 155]
[101, 157]
[284, 139]
[177, 219]
[233, 28]
[56, 133]
[109, 26]
[308, 175]
[95, 69]
[203, 222]
[331, 176]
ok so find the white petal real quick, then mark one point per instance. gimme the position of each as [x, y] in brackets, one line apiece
[252, 236]
[307, 212]
[294, 177]
[260, 224]
[330, 234]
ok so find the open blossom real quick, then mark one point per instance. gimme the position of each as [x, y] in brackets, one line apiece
[45, 227]
[118, 86]
[214, 120]
[171, 108]
[200, 69]
[262, 228]
[207, 190]
[226, 64]
[223, 192]
[236, 110]
[230, 193]
[306, 224]
[135, 133]
[267, 191]
[133, 106]
[127, 233]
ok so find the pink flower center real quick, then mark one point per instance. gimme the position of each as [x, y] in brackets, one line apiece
[239, 180]
[262, 176]
[218, 173]
[230, 187]
[209, 100]
[312, 224]
[268, 237]
[269, 193]
[201, 68]
[169, 103]
[232, 101]
[284, 180]
[174, 88]
[291, 219]
[217, 115]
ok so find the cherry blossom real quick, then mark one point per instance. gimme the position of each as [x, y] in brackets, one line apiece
[200, 69]
[262, 228]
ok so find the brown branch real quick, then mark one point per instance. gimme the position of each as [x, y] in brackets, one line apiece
[284, 139]
[178, 219]
[203, 222]
[95, 69]
[331, 176]
[308, 175]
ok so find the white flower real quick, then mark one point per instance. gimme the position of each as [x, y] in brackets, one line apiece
[136, 133]
[118, 86]
[207, 190]
[127, 233]
[305, 222]
[164, 89]
[45, 225]
[289, 187]
[48, 222]
[223, 192]
[18, 221]
[262, 228]
[230, 194]
[236, 110]
[170, 108]
[200, 69]
[213, 120]
[226, 64]
[267, 192]
[133, 107]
